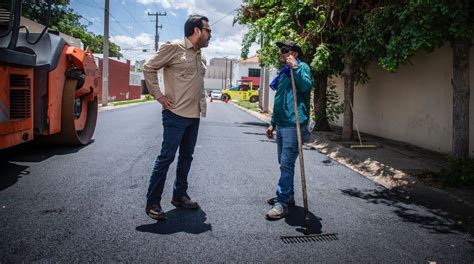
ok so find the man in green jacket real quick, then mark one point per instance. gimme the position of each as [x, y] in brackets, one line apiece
[284, 121]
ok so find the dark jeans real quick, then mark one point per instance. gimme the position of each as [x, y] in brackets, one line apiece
[179, 132]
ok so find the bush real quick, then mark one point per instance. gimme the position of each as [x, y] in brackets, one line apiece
[334, 106]
[459, 172]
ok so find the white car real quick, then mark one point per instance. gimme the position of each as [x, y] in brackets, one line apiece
[216, 94]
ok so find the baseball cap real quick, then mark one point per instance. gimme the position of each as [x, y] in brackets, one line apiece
[292, 45]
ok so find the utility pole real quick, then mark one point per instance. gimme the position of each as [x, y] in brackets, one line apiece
[157, 35]
[230, 73]
[225, 85]
[222, 75]
[265, 83]
[105, 61]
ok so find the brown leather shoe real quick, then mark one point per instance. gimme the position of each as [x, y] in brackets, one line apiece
[184, 202]
[154, 211]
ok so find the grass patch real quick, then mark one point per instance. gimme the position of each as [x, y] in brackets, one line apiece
[146, 99]
[248, 105]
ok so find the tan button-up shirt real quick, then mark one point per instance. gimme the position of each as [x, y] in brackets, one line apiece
[183, 73]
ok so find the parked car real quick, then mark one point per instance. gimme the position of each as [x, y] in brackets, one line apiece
[216, 94]
[243, 91]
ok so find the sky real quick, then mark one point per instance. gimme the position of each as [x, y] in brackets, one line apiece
[133, 29]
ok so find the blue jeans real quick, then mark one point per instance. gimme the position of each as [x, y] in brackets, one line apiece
[287, 142]
[179, 132]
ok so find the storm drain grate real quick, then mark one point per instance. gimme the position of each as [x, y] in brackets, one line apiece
[308, 238]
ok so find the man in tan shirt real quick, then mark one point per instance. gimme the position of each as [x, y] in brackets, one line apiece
[183, 102]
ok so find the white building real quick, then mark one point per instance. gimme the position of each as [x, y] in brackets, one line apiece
[219, 73]
[247, 68]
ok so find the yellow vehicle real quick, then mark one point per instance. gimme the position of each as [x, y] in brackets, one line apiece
[244, 91]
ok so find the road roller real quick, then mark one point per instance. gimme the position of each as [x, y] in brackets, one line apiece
[48, 88]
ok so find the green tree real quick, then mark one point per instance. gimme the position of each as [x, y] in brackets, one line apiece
[300, 21]
[66, 21]
[328, 33]
[359, 32]
[400, 29]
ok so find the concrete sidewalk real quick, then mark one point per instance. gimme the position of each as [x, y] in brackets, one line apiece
[403, 169]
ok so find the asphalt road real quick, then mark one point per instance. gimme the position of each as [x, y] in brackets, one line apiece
[86, 204]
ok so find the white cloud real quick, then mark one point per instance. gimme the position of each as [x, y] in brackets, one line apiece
[140, 47]
[174, 4]
[143, 40]
[137, 55]
[148, 10]
[226, 38]
[229, 46]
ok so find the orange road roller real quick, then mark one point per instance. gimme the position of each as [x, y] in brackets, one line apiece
[48, 89]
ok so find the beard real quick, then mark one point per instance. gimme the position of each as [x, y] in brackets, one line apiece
[203, 41]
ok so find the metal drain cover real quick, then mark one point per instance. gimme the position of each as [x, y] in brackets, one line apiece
[308, 238]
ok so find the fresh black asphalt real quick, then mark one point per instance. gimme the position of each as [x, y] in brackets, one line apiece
[60, 204]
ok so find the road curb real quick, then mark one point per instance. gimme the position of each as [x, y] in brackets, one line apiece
[112, 107]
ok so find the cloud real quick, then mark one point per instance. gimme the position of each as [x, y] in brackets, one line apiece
[226, 37]
[142, 41]
[137, 55]
[229, 46]
[171, 4]
[214, 9]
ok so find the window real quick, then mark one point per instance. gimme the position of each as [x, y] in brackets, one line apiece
[254, 72]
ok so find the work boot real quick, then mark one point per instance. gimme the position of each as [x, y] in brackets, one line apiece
[278, 211]
[272, 201]
[154, 211]
[184, 202]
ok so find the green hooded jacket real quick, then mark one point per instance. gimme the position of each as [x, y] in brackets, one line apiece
[283, 109]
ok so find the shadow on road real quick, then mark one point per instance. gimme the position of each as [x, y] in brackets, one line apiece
[28, 152]
[179, 220]
[296, 218]
[248, 124]
[435, 220]
[253, 133]
[11, 172]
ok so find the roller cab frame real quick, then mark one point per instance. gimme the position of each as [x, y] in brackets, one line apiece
[48, 89]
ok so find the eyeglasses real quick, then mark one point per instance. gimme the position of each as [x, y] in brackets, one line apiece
[284, 50]
[207, 29]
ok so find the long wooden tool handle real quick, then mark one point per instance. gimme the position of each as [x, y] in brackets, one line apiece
[300, 149]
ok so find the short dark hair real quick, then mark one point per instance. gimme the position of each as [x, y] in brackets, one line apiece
[192, 22]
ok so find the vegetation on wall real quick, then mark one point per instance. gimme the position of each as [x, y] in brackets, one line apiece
[342, 38]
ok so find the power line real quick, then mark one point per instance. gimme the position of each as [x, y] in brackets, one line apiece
[122, 27]
[140, 47]
[226, 15]
[171, 26]
[128, 12]
[90, 22]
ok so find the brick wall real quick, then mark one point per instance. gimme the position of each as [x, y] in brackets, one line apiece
[119, 82]
[135, 92]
